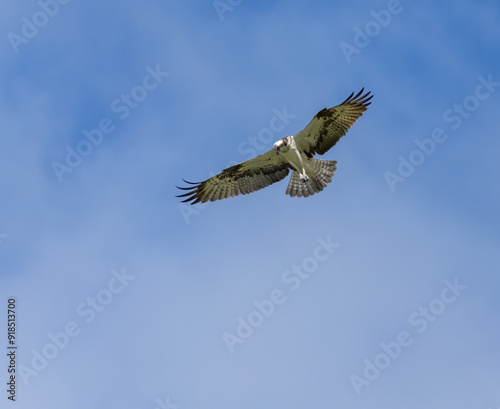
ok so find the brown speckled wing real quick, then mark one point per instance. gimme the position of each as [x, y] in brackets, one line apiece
[330, 124]
[240, 179]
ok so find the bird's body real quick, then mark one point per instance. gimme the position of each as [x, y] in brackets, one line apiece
[294, 153]
[287, 148]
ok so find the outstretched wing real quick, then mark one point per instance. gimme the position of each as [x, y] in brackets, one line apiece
[330, 124]
[243, 178]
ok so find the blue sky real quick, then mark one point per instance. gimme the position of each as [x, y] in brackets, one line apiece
[379, 292]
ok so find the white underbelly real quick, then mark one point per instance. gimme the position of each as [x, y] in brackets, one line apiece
[295, 159]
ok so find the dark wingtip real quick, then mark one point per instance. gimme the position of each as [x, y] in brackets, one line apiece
[191, 183]
[348, 98]
[185, 188]
[188, 200]
[190, 191]
[185, 194]
[360, 98]
[359, 93]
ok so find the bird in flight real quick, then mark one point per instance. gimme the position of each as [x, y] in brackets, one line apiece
[294, 153]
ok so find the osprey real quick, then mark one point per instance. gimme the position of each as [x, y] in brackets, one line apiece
[294, 153]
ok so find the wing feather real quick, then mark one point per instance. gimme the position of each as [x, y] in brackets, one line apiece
[242, 178]
[330, 124]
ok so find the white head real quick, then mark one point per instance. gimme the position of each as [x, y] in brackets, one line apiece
[280, 144]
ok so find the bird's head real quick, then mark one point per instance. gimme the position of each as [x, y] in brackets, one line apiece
[280, 144]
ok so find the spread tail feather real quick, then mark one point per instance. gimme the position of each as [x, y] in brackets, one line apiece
[322, 174]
